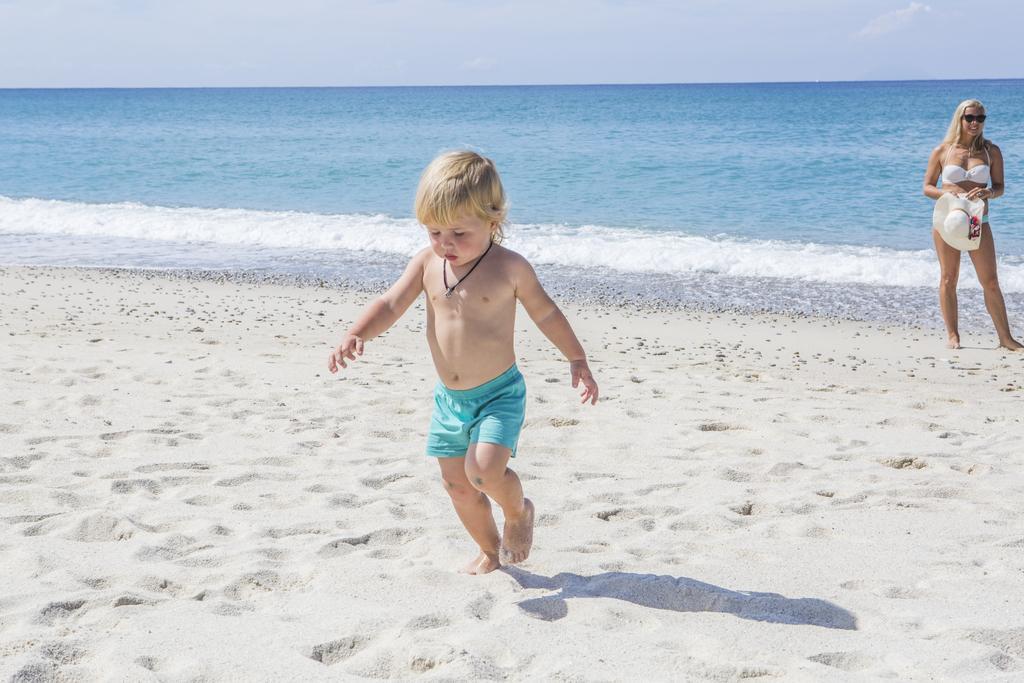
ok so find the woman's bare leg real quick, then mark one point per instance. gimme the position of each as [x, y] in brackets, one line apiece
[984, 259]
[949, 267]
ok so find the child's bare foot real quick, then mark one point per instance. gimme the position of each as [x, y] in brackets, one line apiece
[517, 536]
[1012, 344]
[484, 563]
[954, 342]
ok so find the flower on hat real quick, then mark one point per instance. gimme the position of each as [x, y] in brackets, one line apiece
[975, 230]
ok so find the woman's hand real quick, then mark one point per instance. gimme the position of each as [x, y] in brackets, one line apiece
[979, 193]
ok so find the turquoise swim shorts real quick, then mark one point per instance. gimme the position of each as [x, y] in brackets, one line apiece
[490, 413]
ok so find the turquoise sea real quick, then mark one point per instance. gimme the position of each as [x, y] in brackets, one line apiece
[790, 197]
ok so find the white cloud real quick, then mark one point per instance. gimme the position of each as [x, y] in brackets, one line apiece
[891, 21]
[479, 64]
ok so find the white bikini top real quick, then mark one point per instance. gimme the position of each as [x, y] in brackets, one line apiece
[956, 174]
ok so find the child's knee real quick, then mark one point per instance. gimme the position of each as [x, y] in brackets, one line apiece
[460, 493]
[482, 477]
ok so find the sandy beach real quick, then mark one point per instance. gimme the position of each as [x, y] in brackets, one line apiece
[187, 494]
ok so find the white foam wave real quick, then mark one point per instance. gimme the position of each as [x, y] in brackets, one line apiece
[617, 249]
[281, 229]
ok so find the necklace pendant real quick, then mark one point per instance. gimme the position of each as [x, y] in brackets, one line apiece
[448, 294]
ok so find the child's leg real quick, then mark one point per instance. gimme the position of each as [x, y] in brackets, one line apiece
[474, 510]
[486, 469]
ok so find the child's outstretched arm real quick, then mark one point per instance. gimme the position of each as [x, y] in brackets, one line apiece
[381, 313]
[550, 320]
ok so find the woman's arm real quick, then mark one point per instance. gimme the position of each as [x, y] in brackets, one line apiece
[996, 171]
[932, 173]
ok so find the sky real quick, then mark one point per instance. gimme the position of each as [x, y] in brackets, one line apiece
[213, 43]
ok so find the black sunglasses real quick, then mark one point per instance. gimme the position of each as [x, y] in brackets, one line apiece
[971, 118]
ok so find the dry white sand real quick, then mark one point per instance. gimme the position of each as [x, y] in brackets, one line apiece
[187, 494]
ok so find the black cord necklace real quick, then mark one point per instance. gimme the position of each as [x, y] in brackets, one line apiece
[444, 273]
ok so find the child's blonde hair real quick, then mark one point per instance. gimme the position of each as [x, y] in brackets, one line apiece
[457, 183]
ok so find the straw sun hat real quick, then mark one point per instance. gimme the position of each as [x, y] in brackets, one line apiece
[958, 221]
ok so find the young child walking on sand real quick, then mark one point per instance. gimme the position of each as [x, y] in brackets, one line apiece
[471, 285]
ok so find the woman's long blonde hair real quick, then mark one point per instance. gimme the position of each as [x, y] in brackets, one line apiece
[955, 128]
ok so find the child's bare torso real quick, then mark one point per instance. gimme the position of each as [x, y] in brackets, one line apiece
[471, 333]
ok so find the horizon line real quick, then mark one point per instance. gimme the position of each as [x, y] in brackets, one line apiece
[500, 85]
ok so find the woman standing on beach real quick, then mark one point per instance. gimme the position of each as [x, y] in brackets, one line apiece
[966, 162]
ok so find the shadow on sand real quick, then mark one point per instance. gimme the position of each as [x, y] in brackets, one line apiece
[678, 594]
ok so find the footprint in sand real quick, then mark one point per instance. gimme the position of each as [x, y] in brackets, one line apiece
[428, 621]
[252, 584]
[784, 469]
[744, 509]
[239, 480]
[165, 466]
[115, 436]
[101, 528]
[126, 486]
[900, 593]
[845, 661]
[590, 547]
[585, 476]
[203, 501]
[716, 427]
[174, 482]
[900, 463]
[23, 462]
[95, 582]
[57, 611]
[382, 537]
[547, 519]
[335, 651]
[176, 547]
[606, 515]
[149, 663]
[224, 609]
[748, 672]
[60, 653]
[345, 500]
[297, 530]
[422, 662]
[1009, 642]
[163, 586]
[480, 607]
[132, 600]
[381, 482]
[731, 474]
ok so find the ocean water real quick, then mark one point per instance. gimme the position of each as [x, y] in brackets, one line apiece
[787, 197]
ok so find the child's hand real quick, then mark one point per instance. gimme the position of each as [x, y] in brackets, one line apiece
[350, 347]
[581, 372]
